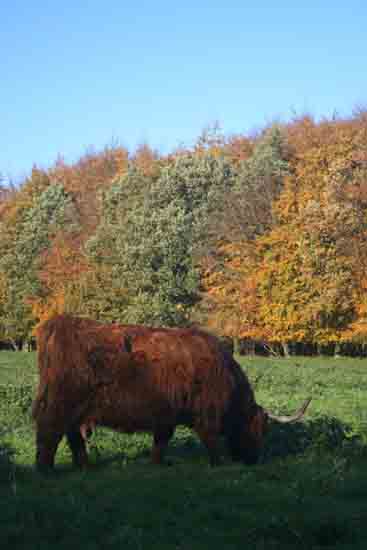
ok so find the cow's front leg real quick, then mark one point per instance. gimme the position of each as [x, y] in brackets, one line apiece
[78, 448]
[47, 442]
[161, 440]
[210, 440]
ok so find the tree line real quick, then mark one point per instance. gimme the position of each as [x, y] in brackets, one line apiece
[260, 238]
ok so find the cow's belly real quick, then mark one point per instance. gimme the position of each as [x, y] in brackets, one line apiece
[136, 417]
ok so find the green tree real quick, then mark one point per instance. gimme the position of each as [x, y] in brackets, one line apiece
[151, 235]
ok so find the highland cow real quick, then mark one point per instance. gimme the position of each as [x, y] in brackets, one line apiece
[135, 378]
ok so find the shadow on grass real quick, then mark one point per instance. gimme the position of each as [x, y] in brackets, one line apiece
[323, 434]
[6, 462]
[10, 472]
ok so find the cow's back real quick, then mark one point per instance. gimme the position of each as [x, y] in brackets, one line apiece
[189, 366]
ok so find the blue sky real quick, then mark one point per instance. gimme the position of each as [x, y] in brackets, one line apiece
[75, 74]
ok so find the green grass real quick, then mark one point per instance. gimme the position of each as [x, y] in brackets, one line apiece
[16, 368]
[309, 491]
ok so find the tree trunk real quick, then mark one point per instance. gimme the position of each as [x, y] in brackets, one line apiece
[337, 350]
[14, 344]
[285, 347]
[236, 345]
[252, 347]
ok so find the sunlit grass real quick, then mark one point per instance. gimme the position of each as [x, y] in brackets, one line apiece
[309, 491]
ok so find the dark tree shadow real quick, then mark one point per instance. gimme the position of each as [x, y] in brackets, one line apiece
[320, 435]
[323, 434]
[7, 465]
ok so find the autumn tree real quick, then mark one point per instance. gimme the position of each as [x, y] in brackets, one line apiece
[37, 217]
[260, 237]
[303, 270]
[146, 160]
[16, 316]
[87, 178]
[63, 266]
[245, 212]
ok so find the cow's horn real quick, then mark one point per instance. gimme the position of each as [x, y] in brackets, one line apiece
[294, 417]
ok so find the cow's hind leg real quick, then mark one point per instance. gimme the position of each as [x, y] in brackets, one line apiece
[47, 442]
[78, 448]
[161, 440]
[234, 445]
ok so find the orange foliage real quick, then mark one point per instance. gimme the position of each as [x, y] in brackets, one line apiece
[305, 280]
[62, 269]
[84, 180]
[146, 160]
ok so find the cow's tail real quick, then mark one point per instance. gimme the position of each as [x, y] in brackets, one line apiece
[40, 402]
[43, 335]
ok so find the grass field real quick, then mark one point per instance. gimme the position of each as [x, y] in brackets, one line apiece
[309, 491]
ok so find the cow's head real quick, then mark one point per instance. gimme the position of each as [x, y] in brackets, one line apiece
[256, 429]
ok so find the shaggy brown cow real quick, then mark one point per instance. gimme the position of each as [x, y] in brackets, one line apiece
[134, 378]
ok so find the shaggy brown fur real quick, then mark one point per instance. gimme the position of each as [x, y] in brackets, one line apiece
[134, 378]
